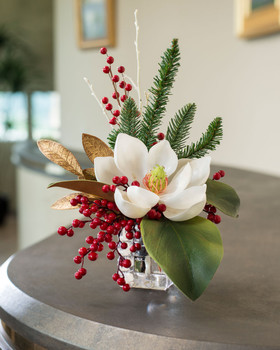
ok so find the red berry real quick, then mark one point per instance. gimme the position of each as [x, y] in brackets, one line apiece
[84, 200]
[62, 230]
[73, 202]
[113, 121]
[104, 226]
[121, 69]
[105, 100]
[110, 255]
[120, 281]
[115, 95]
[112, 188]
[116, 113]
[128, 87]
[123, 223]
[100, 247]
[123, 98]
[128, 228]
[83, 251]
[122, 84]
[212, 209]
[81, 224]
[217, 219]
[129, 235]
[108, 106]
[77, 259]
[117, 226]
[135, 183]
[105, 189]
[87, 213]
[137, 234]
[93, 225]
[110, 60]
[160, 136]
[92, 256]
[207, 207]
[70, 232]
[83, 271]
[138, 246]
[78, 275]
[115, 78]
[89, 240]
[97, 221]
[93, 247]
[123, 245]
[133, 248]
[216, 176]
[108, 238]
[106, 69]
[222, 173]
[124, 180]
[152, 214]
[112, 245]
[115, 276]
[116, 180]
[162, 208]
[211, 217]
[110, 229]
[103, 50]
[78, 198]
[126, 287]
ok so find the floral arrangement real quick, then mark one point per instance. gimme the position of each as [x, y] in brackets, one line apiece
[149, 187]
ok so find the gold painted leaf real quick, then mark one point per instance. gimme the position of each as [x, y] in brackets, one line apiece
[64, 202]
[89, 174]
[94, 147]
[60, 155]
[85, 186]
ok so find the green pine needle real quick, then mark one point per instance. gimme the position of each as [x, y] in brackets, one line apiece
[208, 141]
[160, 92]
[179, 127]
[129, 122]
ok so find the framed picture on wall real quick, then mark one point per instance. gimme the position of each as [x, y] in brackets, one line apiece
[95, 23]
[257, 17]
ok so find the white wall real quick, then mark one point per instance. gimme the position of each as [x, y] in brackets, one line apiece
[225, 76]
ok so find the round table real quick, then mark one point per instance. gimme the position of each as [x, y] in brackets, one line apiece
[43, 307]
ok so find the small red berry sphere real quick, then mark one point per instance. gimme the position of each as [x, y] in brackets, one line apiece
[128, 87]
[83, 271]
[112, 245]
[128, 228]
[160, 136]
[78, 275]
[123, 245]
[129, 235]
[105, 100]
[207, 207]
[73, 202]
[212, 209]
[121, 69]
[162, 207]
[211, 217]
[110, 60]
[124, 180]
[122, 84]
[77, 259]
[126, 287]
[110, 255]
[115, 78]
[93, 247]
[92, 256]
[108, 106]
[113, 121]
[138, 246]
[106, 69]
[137, 234]
[116, 180]
[123, 98]
[108, 238]
[70, 232]
[217, 219]
[87, 213]
[89, 240]
[112, 188]
[78, 198]
[83, 251]
[121, 281]
[100, 247]
[81, 224]
[133, 248]
[75, 223]
[105, 188]
[115, 95]
[62, 230]
[216, 176]
[115, 277]
[152, 214]
[93, 225]
[84, 200]
[135, 183]
[103, 50]
[222, 173]
[116, 113]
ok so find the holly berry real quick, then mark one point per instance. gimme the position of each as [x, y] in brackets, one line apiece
[73, 202]
[216, 176]
[70, 232]
[110, 60]
[115, 78]
[116, 113]
[160, 136]
[103, 50]
[222, 173]
[135, 183]
[123, 98]
[83, 251]
[121, 281]
[112, 245]
[122, 84]
[105, 188]
[108, 106]
[123, 245]
[106, 69]
[115, 277]
[217, 219]
[124, 180]
[105, 100]
[110, 255]
[115, 95]
[121, 69]
[113, 121]
[77, 259]
[128, 87]
[162, 208]
[78, 275]
[62, 230]
[126, 287]
[82, 271]
[92, 256]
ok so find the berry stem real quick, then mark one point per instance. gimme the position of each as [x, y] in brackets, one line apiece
[114, 86]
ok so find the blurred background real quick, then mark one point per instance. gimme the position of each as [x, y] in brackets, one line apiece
[230, 54]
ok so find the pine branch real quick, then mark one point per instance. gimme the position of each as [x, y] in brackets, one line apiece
[129, 122]
[208, 141]
[179, 127]
[163, 83]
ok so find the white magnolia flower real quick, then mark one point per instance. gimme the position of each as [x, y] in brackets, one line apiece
[179, 184]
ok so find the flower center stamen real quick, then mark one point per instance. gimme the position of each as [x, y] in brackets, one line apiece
[156, 180]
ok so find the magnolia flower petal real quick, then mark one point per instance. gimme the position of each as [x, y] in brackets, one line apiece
[200, 171]
[162, 154]
[105, 169]
[180, 181]
[185, 214]
[128, 208]
[185, 199]
[131, 157]
[145, 198]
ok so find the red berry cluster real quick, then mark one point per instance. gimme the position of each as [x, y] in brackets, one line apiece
[156, 212]
[218, 175]
[117, 83]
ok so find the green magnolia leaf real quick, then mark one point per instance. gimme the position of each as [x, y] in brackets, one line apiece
[223, 197]
[85, 186]
[189, 252]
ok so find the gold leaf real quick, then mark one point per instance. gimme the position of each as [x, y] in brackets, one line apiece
[64, 202]
[94, 147]
[89, 174]
[60, 155]
[85, 186]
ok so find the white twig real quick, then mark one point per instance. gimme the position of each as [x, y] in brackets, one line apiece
[99, 103]
[138, 60]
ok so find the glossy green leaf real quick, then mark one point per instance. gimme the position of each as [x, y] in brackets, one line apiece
[189, 252]
[85, 186]
[223, 197]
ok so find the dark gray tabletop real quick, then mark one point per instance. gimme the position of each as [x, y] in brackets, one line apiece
[40, 299]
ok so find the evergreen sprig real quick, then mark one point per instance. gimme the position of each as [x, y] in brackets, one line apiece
[208, 141]
[163, 83]
[179, 127]
[129, 122]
